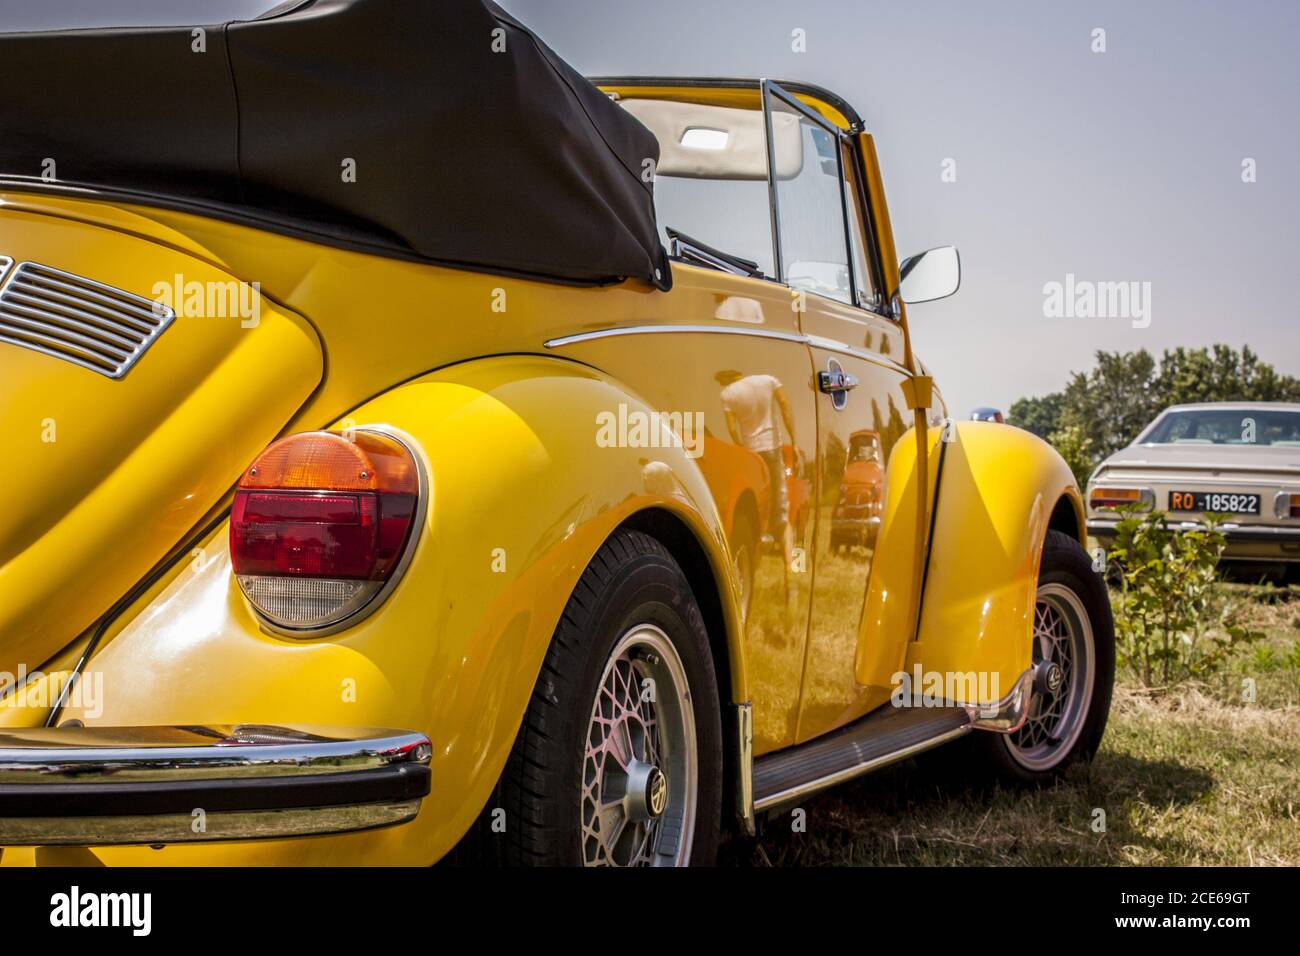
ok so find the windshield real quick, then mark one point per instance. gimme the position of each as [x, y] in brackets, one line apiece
[1226, 426]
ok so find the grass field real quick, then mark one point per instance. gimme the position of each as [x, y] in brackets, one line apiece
[1193, 775]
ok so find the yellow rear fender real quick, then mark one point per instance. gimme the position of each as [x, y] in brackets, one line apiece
[524, 489]
[1000, 489]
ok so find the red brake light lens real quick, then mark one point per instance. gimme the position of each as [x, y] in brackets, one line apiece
[320, 523]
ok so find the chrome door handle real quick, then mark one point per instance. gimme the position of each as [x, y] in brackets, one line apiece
[835, 380]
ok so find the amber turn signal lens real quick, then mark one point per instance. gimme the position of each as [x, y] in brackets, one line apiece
[320, 523]
[1114, 497]
[333, 461]
[1295, 506]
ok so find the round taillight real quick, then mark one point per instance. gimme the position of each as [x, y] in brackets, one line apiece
[321, 526]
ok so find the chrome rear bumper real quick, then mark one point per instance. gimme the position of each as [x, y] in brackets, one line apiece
[1105, 529]
[1245, 542]
[96, 786]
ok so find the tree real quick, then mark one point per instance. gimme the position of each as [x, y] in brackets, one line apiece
[1102, 410]
[1042, 416]
[1111, 403]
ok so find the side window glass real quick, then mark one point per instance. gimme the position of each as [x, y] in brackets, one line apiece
[864, 281]
[806, 178]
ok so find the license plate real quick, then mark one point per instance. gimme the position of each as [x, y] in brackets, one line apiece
[1220, 502]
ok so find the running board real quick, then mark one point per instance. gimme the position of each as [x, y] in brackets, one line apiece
[882, 737]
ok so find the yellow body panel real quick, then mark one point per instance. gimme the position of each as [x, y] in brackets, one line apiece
[89, 457]
[523, 493]
[999, 489]
[455, 650]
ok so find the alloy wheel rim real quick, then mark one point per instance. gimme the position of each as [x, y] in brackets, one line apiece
[1063, 636]
[640, 764]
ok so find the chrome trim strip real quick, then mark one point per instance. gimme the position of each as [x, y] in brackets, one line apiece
[122, 785]
[50, 330]
[98, 325]
[821, 783]
[5, 263]
[745, 768]
[1159, 471]
[161, 829]
[399, 570]
[842, 348]
[145, 320]
[40, 323]
[1009, 714]
[1234, 532]
[99, 755]
[655, 329]
[815, 341]
[25, 342]
[774, 208]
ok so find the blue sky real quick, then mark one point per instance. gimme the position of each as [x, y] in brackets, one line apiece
[1117, 166]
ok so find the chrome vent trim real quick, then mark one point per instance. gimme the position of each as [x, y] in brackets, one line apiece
[79, 320]
[5, 263]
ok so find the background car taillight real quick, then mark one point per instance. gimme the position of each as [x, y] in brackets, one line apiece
[320, 525]
[1287, 505]
[1115, 497]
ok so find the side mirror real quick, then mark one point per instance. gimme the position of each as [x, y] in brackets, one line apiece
[933, 274]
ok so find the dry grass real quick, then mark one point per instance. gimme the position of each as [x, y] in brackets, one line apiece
[1191, 776]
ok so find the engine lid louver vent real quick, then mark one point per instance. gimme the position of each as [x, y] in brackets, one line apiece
[68, 316]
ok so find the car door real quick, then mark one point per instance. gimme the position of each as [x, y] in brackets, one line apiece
[726, 351]
[827, 258]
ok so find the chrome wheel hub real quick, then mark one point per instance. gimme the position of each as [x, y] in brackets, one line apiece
[1064, 672]
[1049, 678]
[640, 764]
[647, 791]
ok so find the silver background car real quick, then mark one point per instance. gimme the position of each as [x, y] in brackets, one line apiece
[1240, 459]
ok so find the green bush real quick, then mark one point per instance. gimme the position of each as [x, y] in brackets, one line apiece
[1167, 595]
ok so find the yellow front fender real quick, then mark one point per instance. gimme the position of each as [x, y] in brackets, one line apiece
[999, 488]
[522, 496]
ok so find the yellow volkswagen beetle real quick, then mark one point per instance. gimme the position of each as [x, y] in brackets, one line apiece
[415, 447]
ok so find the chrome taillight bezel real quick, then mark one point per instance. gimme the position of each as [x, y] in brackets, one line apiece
[376, 600]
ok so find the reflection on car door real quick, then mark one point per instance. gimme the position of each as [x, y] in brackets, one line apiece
[857, 432]
[749, 379]
[826, 256]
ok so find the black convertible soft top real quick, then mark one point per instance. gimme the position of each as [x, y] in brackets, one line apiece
[440, 131]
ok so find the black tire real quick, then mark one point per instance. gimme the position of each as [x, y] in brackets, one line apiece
[1065, 565]
[632, 580]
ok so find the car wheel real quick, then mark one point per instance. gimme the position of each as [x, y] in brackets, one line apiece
[619, 759]
[1072, 629]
